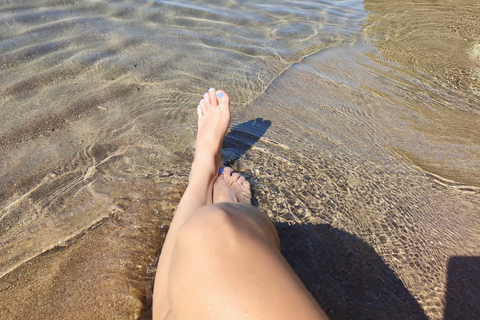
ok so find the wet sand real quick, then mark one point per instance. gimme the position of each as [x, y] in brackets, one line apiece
[361, 157]
[367, 201]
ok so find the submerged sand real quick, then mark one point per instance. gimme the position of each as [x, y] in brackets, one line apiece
[358, 134]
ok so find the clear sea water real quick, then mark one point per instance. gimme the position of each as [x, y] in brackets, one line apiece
[357, 123]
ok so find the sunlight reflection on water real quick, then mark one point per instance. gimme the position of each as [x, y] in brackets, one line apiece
[375, 134]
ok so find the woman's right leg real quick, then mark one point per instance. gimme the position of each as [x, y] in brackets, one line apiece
[226, 264]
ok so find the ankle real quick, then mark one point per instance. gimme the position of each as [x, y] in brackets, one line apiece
[203, 167]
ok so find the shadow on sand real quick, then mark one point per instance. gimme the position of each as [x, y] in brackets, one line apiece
[241, 138]
[345, 274]
[463, 288]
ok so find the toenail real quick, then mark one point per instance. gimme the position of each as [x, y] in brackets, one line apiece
[219, 95]
[211, 89]
[205, 95]
[220, 170]
[198, 106]
[201, 101]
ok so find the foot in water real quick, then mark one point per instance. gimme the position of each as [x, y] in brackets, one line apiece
[213, 121]
[231, 187]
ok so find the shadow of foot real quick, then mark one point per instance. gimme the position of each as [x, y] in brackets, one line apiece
[241, 138]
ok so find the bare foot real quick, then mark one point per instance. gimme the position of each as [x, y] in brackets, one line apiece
[231, 187]
[213, 121]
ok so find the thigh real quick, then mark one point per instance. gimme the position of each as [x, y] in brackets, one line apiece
[226, 265]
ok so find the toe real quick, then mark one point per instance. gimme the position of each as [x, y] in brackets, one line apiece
[206, 102]
[213, 97]
[218, 180]
[235, 177]
[227, 172]
[202, 107]
[241, 179]
[223, 99]
[199, 112]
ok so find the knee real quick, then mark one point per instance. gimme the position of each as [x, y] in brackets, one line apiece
[228, 225]
[209, 223]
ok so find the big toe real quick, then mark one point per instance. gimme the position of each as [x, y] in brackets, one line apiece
[227, 173]
[219, 180]
[234, 178]
[223, 99]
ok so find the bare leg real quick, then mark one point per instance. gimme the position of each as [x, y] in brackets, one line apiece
[226, 264]
[213, 121]
[222, 261]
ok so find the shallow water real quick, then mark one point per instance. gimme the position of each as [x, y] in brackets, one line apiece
[367, 123]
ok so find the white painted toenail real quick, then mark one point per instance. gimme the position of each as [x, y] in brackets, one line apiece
[211, 89]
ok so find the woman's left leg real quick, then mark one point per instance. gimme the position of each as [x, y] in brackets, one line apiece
[213, 121]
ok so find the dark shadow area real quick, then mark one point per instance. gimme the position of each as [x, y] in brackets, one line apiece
[345, 275]
[463, 288]
[241, 138]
